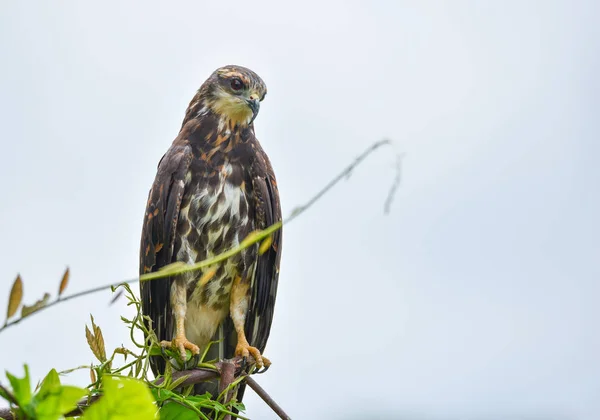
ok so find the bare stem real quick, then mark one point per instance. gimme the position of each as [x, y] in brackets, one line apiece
[267, 398]
[256, 236]
[227, 377]
[66, 298]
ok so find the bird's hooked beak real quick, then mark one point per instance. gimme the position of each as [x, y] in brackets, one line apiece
[254, 105]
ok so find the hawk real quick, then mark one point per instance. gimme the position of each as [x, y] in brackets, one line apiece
[214, 186]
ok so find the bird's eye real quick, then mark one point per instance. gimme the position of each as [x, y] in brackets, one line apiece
[236, 84]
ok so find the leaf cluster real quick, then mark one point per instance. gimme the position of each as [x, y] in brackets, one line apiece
[15, 299]
[121, 386]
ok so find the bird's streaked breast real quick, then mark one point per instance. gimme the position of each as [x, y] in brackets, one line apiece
[214, 219]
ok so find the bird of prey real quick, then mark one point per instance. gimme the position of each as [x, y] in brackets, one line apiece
[214, 186]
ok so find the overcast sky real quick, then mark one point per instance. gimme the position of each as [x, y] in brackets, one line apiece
[475, 298]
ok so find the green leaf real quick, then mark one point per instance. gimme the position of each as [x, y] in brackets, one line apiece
[4, 394]
[161, 394]
[156, 351]
[239, 406]
[174, 411]
[53, 400]
[21, 387]
[50, 382]
[124, 398]
[201, 398]
[61, 400]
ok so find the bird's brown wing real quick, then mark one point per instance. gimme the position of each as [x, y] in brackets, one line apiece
[264, 285]
[158, 238]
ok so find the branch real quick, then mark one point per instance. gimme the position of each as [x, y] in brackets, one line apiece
[195, 376]
[66, 298]
[347, 171]
[8, 396]
[395, 185]
[267, 398]
[252, 239]
[227, 377]
[230, 369]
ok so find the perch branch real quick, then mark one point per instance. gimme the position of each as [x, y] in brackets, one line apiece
[267, 398]
[230, 370]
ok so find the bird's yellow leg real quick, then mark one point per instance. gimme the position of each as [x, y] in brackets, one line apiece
[238, 307]
[178, 301]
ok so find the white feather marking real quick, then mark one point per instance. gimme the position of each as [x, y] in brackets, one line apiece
[207, 208]
[201, 323]
[202, 111]
[186, 249]
[233, 195]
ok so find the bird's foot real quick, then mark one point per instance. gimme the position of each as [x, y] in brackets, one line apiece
[244, 350]
[192, 363]
[181, 343]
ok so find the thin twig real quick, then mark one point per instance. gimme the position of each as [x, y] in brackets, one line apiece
[8, 395]
[245, 243]
[192, 377]
[6, 414]
[344, 173]
[267, 398]
[395, 185]
[255, 237]
[66, 298]
[180, 267]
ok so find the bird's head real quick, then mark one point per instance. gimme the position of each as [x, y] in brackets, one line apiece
[234, 93]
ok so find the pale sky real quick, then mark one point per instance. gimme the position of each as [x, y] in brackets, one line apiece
[475, 298]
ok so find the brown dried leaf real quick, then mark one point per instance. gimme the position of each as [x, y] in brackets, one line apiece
[64, 282]
[28, 310]
[96, 341]
[122, 350]
[15, 297]
[92, 376]
[265, 245]
[90, 339]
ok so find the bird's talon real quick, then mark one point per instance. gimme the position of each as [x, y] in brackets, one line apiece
[245, 350]
[192, 363]
[181, 343]
[163, 351]
[265, 368]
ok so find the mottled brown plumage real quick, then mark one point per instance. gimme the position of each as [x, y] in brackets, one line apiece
[214, 186]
